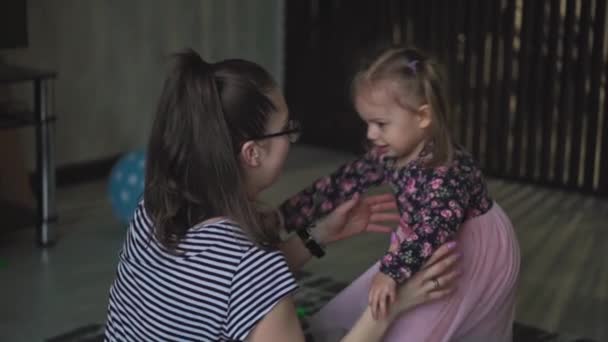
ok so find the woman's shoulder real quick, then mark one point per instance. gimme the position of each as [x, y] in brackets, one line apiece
[222, 237]
[228, 235]
[223, 233]
[223, 227]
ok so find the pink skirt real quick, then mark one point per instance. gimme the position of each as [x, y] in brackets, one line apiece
[482, 308]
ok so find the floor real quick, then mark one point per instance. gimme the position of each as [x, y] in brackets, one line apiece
[563, 236]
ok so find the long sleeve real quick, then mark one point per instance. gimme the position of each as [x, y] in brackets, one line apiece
[328, 192]
[433, 205]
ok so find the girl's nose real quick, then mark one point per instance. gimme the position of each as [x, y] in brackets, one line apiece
[372, 132]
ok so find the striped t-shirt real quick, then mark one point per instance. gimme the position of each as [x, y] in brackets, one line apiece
[217, 288]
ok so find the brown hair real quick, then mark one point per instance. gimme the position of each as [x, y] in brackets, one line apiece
[418, 76]
[205, 113]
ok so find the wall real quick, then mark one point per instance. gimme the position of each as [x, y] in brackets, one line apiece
[111, 57]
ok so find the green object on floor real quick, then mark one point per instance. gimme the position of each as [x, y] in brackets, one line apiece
[302, 312]
[3, 263]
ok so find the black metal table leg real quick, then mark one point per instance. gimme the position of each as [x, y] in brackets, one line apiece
[45, 164]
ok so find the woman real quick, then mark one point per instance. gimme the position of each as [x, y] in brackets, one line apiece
[199, 261]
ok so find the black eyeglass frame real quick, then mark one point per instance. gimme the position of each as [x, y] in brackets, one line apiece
[293, 127]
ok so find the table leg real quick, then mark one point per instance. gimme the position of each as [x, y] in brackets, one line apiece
[45, 164]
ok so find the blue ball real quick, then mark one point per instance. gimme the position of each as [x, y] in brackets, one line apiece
[126, 185]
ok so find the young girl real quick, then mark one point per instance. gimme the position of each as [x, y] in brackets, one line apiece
[198, 264]
[441, 194]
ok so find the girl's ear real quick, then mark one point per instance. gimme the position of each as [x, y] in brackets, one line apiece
[250, 154]
[425, 116]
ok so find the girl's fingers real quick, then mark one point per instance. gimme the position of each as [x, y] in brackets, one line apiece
[372, 303]
[378, 304]
[383, 304]
[374, 308]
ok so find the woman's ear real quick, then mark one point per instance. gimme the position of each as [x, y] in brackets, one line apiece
[250, 154]
[425, 116]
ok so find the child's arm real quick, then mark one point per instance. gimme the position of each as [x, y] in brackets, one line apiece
[431, 214]
[328, 192]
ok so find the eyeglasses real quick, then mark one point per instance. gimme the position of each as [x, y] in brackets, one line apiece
[293, 132]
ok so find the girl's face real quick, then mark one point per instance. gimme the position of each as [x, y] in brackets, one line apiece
[268, 154]
[395, 127]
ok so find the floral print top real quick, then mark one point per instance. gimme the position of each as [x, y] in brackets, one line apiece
[433, 202]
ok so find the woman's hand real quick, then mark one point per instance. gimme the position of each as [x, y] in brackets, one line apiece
[356, 216]
[434, 281]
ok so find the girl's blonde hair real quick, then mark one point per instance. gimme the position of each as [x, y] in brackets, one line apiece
[418, 77]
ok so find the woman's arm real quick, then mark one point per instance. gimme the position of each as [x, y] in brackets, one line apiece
[281, 323]
[295, 252]
[326, 193]
[350, 218]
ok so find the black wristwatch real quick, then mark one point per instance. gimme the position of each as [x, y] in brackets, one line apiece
[313, 246]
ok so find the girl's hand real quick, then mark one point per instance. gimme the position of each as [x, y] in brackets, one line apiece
[383, 292]
[356, 216]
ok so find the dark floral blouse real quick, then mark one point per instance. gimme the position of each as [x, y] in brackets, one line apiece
[433, 202]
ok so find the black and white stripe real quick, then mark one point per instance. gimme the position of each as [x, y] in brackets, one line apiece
[216, 288]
